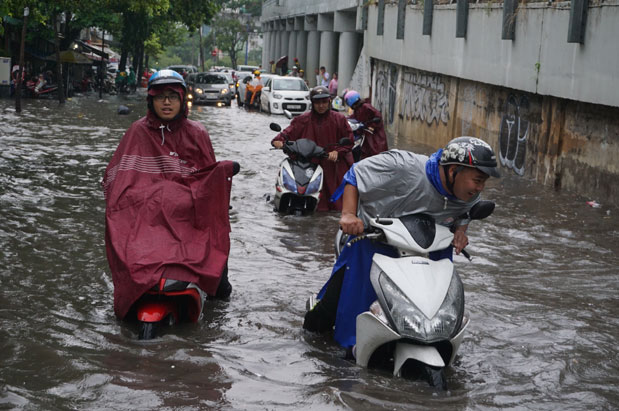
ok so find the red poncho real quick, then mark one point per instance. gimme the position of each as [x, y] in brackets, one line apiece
[374, 143]
[167, 206]
[325, 130]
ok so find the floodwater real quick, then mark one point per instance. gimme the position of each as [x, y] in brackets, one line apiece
[541, 290]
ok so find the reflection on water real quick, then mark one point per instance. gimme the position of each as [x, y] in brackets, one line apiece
[541, 290]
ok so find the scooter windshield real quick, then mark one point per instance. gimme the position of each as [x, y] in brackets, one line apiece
[421, 227]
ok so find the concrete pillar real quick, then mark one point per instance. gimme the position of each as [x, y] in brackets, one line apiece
[328, 50]
[292, 48]
[272, 44]
[278, 45]
[284, 43]
[347, 58]
[302, 50]
[313, 56]
[265, 49]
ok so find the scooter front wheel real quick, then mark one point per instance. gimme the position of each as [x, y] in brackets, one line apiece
[148, 331]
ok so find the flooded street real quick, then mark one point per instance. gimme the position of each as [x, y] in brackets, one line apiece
[542, 289]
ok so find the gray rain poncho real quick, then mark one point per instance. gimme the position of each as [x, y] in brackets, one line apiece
[394, 183]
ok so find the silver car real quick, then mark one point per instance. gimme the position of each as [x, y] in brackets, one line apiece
[210, 87]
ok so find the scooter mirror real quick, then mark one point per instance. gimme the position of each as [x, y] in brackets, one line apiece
[481, 210]
[287, 113]
[344, 142]
[275, 127]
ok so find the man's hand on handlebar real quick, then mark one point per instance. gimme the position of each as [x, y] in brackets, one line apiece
[278, 144]
[333, 156]
[351, 224]
[460, 240]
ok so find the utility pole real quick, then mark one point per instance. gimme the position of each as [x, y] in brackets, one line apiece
[246, 42]
[58, 62]
[21, 62]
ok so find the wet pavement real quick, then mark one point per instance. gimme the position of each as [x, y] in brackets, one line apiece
[541, 290]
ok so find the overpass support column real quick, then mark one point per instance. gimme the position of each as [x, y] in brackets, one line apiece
[328, 51]
[347, 58]
[266, 36]
[302, 50]
[313, 56]
[284, 43]
[292, 48]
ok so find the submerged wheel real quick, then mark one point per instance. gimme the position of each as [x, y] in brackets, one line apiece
[436, 377]
[148, 331]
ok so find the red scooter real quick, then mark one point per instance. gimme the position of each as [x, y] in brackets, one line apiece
[41, 88]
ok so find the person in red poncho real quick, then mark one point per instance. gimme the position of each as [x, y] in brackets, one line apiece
[375, 138]
[167, 201]
[325, 127]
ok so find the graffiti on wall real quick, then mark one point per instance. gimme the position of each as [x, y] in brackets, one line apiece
[386, 83]
[424, 97]
[513, 134]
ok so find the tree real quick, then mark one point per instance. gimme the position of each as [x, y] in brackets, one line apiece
[230, 35]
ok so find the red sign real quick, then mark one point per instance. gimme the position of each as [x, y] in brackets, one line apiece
[214, 53]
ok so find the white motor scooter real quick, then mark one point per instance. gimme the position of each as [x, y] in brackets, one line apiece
[300, 177]
[419, 314]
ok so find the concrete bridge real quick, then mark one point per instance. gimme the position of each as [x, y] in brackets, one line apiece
[318, 33]
[538, 81]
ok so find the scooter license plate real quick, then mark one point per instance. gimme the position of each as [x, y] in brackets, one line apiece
[294, 107]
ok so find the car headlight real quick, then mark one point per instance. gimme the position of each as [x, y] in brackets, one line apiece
[410, 321]
[224, 91]
[277, 96]
[314, 186]
[307, 97]
[289, 182]
[199, 90]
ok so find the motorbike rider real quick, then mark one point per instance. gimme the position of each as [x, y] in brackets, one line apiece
[161, 178]
[325, 127]
[376, 140]
[255, 88]
[395, 183]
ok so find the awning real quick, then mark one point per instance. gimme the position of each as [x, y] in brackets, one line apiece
[92, 49]
[70, 56]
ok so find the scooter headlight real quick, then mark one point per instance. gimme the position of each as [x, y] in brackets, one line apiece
[314, 186]
[289, 182]
[411, 322]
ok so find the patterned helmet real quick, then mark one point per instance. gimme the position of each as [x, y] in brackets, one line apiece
[166, 76]
[471, 152]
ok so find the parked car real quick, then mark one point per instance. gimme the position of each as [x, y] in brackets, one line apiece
[183, 68]
[209, 87]
[285, 93]
[251, 69]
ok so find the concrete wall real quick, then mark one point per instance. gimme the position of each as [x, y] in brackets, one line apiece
[558, 142]
[539, 60]
[550, 108]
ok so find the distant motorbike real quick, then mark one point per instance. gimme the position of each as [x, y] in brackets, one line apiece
[300, 177]
[416, 325]
[252, 96]
[359, 130]
[41, 88]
